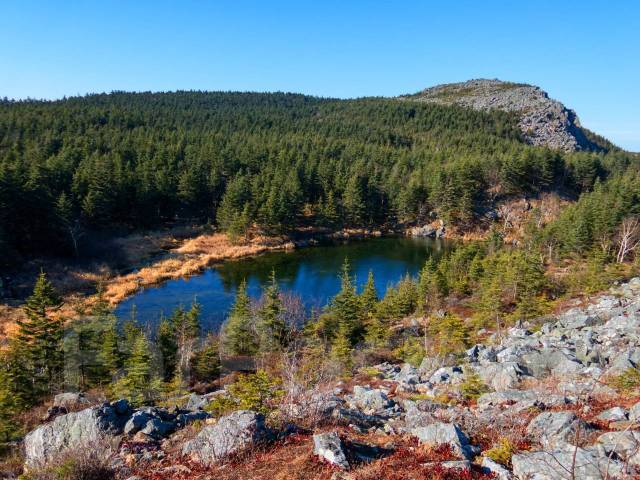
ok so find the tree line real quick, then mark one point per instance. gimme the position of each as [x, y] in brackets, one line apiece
[272, 161]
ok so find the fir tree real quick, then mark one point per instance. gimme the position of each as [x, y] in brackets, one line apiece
[345, 307]
[369, 296]
[206, 362]
[166, 340]
[110, 356]
[341, 346]
[272, 327]
[140, 384]
[238, 332]
[8, 406]
[39, 339]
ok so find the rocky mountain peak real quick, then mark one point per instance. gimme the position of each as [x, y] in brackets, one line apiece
[543, 120]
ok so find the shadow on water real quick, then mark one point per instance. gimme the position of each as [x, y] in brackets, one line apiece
[310, 273]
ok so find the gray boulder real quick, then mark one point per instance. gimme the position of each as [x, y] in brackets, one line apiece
[370, 399]
[447, 375]
[158, 429]
[137, 422]
[499, 471]
[357, 418]
[506, 397]
[328, 446]
[561, 465]
[501, 376]
[634, 412]
[183, 419]
[232, 434]
[625, 444]
[541, 363]
[408, 374]
[556, 429]
[440, 433]
[87, 427]
[575, 320]
[614, 414]
[196, 402]
[70, 400]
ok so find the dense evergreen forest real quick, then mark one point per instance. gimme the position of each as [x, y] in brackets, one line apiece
[275, 161]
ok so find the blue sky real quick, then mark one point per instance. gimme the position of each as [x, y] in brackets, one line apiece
[586, 54]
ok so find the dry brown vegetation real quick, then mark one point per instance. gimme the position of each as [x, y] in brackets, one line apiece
[292, 459]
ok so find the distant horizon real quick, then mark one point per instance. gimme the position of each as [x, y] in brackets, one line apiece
[584, 57]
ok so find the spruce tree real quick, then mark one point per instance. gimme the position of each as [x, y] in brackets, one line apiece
[345, 306]
[430, 288]
[166, 340]
[238, 332]
[369, 296]
[272, 327]
[140, 385]
[8, 405]
[110, 356]
[206, 361]
[39, 339]
[341, 346]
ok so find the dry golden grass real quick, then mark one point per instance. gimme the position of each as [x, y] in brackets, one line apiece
[190, 258]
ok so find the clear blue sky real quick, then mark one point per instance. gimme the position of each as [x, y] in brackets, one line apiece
[586, 54]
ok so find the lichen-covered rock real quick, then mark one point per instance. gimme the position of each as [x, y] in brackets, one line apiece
[565, 464]
[614, 414]
[634, 412]
[499, 471]
[625, 444]
[70, 400]
[73, 430]
[440, 433]
[196, 402]
[232, 434]
[370, 399]
[328, 446]
[557, 429]
[501, 376]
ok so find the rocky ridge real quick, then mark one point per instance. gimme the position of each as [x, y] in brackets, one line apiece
[547, 395]
[543, 121]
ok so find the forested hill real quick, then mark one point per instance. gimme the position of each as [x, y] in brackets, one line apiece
[276, 161]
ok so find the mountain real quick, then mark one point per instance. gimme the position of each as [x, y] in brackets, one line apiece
[542, 120]
[281, 163]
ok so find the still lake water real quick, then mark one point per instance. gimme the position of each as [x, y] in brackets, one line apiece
[310, 273]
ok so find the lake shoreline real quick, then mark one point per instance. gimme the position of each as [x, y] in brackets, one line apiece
[189, 256]
[207, 250]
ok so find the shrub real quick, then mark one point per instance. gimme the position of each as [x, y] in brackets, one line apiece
[502, 452]
[472, 386]
[258, 392]
[411, 351]
[627, 381]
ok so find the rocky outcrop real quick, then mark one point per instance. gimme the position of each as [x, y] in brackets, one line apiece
[232, 434]
[555, 429]
[545, 386]
[569, 464]
[328, 446]
[542, 120]
[75, 430]
[440, 433]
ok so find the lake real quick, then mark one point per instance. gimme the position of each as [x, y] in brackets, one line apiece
[309, 273]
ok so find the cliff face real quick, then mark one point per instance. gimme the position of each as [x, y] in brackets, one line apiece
[543, 121]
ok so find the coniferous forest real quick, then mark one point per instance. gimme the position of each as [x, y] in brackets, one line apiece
[279, 162]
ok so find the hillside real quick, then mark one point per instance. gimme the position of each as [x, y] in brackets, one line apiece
[542, 120]
[544, 400]
[272, 162]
